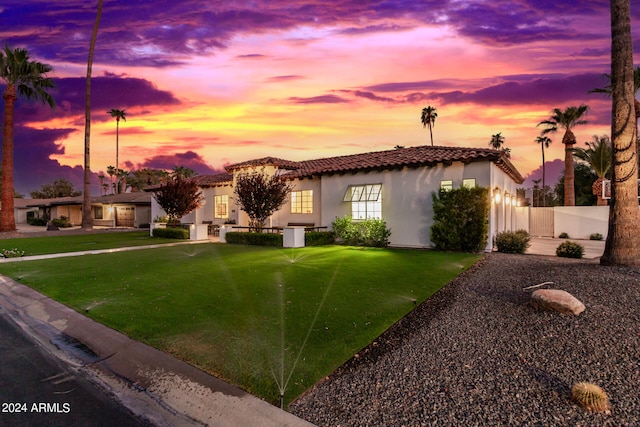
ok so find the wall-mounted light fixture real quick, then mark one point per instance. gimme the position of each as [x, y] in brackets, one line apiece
[497, 197]
[507, 199]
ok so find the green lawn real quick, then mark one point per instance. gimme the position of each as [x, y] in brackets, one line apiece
[266, 319]
[81, 242]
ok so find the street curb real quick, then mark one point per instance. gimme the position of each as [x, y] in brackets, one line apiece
[151, 383]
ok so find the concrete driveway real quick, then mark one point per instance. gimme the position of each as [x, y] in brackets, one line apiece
[548, 246]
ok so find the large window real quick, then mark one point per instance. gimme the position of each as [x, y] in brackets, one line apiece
[366, 201]
[302, 202]
[221, 206]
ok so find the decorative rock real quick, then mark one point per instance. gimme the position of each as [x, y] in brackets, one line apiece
[556, 300]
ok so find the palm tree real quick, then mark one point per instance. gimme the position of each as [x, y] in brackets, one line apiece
[567, 120]
[87, 219]
[623, 246]
[636, 89]
[544, 142]
[428, 118]
[496, 141]
[29, 79]
[117, 114]
[598, 156]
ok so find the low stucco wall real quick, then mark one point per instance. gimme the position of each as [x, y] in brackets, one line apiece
[579, 222]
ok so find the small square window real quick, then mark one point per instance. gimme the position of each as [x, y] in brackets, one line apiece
[446, 185]
[469, 183]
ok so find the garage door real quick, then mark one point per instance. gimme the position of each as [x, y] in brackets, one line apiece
[125, 216]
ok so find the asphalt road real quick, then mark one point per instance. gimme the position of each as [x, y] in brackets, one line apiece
[38, 389]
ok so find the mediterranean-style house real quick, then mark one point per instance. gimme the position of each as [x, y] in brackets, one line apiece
[395, 185]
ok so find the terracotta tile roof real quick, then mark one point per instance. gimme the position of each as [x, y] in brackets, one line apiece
[379, 160]
[212, 180]
[398, 158]
[265, 161]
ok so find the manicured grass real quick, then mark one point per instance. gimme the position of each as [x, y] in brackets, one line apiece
[266, 319]
[81, 242]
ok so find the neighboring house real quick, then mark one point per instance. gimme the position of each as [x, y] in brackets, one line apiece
[114, 210]
[395, 185]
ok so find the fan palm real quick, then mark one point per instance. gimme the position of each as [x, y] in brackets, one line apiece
[428, 118]
[636, 89]
[598, 156]
[29, 79]
[623, 246]
[567, 120]
[544, 142]
[87, 219]
[118, 115]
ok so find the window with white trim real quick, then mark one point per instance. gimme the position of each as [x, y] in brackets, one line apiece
[446, 185]
[469, 183]
[302, 202]
[221, 206]
[366, 201]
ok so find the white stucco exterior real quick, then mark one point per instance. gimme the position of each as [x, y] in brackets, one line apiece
[406, 196]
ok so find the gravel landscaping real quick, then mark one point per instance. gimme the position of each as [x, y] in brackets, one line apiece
[477, 353]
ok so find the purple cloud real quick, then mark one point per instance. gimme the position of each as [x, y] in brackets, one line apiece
[187, 159]
[321, 99]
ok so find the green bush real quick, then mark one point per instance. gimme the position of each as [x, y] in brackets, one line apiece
[171, 233]
[62, 222]
[570, 249]
[460, 219]
[596, 236]
[367, 232]
[257, 239]
[11, 253]
[563, 235]
[37, 221]
[317, 238]
[513, 242]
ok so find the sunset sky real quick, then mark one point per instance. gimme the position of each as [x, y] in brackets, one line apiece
[209, 83]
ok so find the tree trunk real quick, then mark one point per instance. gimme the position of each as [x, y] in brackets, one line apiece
[544, 184]
[569, 177]
[7, 217]
[623, 246]
[87, 218]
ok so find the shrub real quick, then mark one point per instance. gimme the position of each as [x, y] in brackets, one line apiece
[258, 239]
[63, 222]
[367, 232]
[36, 221]
[11, 253]
[316, 238]
[513, 242]
[460, 219]
[570, 249]
[596, 236]
[171, 233]
[563, 235]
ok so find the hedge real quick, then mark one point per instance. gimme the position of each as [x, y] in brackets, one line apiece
[258, 239]
[317, 238]
[171, 233]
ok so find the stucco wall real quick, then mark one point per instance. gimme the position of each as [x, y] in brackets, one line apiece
[407, 205]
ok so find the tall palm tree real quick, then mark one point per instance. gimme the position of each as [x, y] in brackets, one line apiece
[544, 142]
[428, 118]
[29, 79]
[636, 89]
[623, 246]
[87, 219]
[567, 120]
[598, 156]
[117, 114]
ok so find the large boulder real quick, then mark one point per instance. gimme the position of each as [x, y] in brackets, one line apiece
[556, 300]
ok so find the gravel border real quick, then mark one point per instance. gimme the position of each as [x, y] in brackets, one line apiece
[477, 353]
